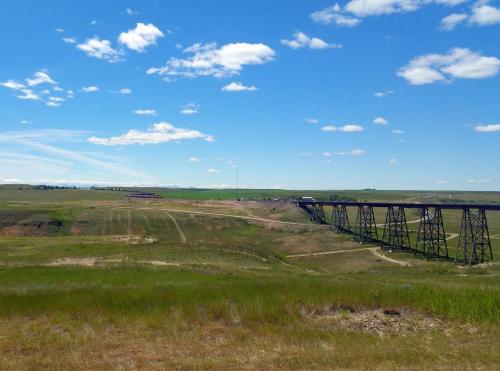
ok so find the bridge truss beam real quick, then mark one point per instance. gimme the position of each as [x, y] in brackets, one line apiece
[474, 245]
[340, 219]
[395, 229]
[365, 229]
[431, 240]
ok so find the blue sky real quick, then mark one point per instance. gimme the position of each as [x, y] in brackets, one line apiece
[383, 94]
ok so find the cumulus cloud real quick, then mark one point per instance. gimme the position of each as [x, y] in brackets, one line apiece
[335, 14]
[301, 40]
[161, 132]
[346, 128]
[146, 112]
[311, 120]
[40, 77]
[209, 60]
[482, 14]
[213, 171]
[194, 159]
[12, 84]
[125, 91]
[392, 161]
[237, 86]
[450, 22]
[28, 94]
[351, 14]
[190, 109]
[100, 49]
[457, 63]
[398, 131]
[380, 121]
[141, 37]
[487, 128]
[90, 89]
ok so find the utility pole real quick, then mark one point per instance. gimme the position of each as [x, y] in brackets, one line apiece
[236, 184]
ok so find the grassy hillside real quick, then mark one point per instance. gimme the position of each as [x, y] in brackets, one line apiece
[227, 285]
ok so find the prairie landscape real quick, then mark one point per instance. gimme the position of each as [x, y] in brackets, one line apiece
[204, 283]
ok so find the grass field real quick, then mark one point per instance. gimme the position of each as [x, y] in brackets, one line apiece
[90, 280]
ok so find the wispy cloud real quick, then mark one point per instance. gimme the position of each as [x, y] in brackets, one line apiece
[161, 132]
[487, 128]
[190, 109]
[145, 112]
[350, 128]
[301, 40]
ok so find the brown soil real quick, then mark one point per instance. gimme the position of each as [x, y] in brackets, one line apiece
[379, 321]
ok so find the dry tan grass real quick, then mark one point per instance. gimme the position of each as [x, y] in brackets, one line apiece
[47, 343]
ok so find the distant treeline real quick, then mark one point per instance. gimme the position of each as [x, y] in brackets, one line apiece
[45, 187]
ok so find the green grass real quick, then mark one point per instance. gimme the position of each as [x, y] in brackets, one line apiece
[227, 297]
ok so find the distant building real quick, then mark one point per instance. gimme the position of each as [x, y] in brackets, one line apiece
[143, 195]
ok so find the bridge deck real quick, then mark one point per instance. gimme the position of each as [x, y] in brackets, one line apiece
[406, 205]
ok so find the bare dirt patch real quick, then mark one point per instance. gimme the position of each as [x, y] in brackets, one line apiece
[379, 321]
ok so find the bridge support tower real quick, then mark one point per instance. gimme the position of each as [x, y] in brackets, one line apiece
[395, 229]
[431, 240]
[474, 245]
[365, 229]
[340, 219]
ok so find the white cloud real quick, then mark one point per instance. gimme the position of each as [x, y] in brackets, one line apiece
[100, 49]
[398, 131]
[55, 101]
[213, 171]
[450, 22]
[484, 15]
[487, 128]
[335, 14]
[381, 94]
[301, 40]
[161, 132]
[380, 121]
[392, 161]
[40, 78]
[131, 12]
[208, 60]
[354, 152]
[237, 86]
[346, 128]
[25, 122]
[441, 181]
[194, 159]
[475, 181]
[57, 88]
[327, 154]
[142, 36]
[125, 91]
[190, 109]
[69, 40]
[90, 89]
[60, 30]
[145, 112]
[311, 120]
[11, 84]
[28, 95]
[457, 63]
[351, 13]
